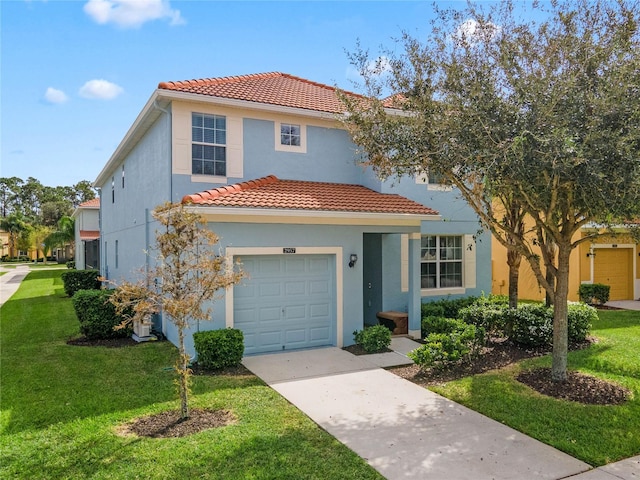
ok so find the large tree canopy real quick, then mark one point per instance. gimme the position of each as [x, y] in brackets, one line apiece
[540, 117]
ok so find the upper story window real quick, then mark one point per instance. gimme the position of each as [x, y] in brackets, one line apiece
[122, 176]
[113, 190]
[290, 134]
[432, 180]
[441, 261]
[208, 148]
[290, 137]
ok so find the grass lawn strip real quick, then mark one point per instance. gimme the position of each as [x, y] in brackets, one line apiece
[63, 408]
[595, 434]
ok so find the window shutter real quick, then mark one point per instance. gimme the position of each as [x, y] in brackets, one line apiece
[469, 261]
[234, 147]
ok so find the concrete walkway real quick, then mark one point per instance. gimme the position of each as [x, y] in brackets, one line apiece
[10, 281]
[403, 430]
[625, 304]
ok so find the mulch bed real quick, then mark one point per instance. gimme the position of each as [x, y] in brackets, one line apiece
[103, 342]
[578, 387]
[501, 353]
[170, 425]
[358, 350]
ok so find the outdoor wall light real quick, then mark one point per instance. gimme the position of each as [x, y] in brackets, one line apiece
[353, 258]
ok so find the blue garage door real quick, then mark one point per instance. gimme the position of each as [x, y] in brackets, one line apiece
[287, 302]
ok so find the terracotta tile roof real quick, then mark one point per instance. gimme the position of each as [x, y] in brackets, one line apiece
[273, 193]
[93, 203]
[272, 88]
[89, 234]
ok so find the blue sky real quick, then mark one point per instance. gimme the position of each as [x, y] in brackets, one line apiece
[75, 74]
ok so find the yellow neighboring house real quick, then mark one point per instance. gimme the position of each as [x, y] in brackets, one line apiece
[4, 243]
[612, 260]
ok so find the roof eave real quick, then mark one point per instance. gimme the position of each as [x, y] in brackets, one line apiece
[232, 102]
[295, 216]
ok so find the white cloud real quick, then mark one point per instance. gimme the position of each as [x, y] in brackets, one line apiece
[53, 95]
[100, 89]
[471, 31]
[131, 13]
[377, 68]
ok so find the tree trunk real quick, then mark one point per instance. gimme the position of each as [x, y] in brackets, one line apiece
[182, 368]
[513, 260]
[560, 325]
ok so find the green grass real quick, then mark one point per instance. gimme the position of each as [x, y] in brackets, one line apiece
[62, 406]
[595, 434]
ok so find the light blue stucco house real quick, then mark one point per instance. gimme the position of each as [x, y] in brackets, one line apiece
[325, 243]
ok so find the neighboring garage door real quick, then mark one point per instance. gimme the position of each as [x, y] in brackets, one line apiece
[614, 267]
[287, 302]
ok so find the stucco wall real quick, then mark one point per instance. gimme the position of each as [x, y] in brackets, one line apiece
[126, 218]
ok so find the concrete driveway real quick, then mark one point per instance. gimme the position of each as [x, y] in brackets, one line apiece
[403, 430]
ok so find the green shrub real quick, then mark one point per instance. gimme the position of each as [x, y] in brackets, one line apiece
[97, 315]
[594, 293]
[431, 309]
[71, 265]
[375, 338]
[488, 315]
[219, 348]
[447, 307]
[75, 280]
[441, 349]
[530, 325]
[580, 318]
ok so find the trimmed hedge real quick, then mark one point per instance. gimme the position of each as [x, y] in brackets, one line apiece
[375, 338]
[97, 315]
[446, 308]
[594, 293]
[441, 349]
[532, 325]
[75, 280]
[219, 348]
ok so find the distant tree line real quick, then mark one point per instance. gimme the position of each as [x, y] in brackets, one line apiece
[38, 217]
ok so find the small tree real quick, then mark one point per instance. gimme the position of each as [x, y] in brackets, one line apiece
[189, 273]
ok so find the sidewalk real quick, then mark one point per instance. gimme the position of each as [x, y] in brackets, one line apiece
[408, 432]
[10, 281]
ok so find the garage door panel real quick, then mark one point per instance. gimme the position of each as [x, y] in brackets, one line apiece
[270, 290]
[295, 288]
[286, 302]
[318, 333]
[320, 311]
[319, 287]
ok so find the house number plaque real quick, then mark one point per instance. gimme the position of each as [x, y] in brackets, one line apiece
[288, 250]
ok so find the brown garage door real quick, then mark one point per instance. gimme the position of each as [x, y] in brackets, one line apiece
[614, 267]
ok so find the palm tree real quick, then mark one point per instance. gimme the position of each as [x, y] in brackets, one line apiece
[64, 235]
[14, 224]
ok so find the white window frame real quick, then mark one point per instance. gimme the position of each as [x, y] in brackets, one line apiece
[422, 178]
[302, 148]
[468, 269]
[208, 144]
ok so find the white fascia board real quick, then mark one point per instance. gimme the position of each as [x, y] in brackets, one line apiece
[309, 217]
[243, 104]
[141, 124]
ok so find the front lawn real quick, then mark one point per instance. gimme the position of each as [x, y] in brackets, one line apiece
[63, 407]
[594, 434]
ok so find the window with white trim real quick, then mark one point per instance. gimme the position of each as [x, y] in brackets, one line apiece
[441, 261]
[290, 134]
[208, 144]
